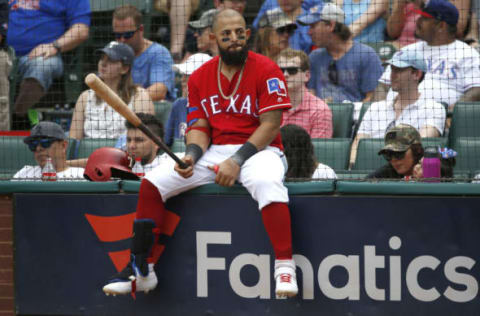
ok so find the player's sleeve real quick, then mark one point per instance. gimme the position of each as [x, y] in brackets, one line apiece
[272, 90]
[195, 110]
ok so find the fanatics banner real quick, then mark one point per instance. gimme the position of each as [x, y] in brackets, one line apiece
[355, 256]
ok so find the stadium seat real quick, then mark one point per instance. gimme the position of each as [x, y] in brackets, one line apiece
[468, 151]
[333, 152]
[14, 154]
[178, 145]
[465, 121]
[342, 117]
[368, 148]
[87, 145]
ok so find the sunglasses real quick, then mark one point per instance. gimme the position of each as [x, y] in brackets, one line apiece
[289, 29]
[290, 70]
[333, 73]
[397, 155]
[44, 142]
[125, 35]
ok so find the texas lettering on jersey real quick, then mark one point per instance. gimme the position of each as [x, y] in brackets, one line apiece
[262, 88]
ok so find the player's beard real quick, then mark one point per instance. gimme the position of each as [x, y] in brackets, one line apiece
[236, 58]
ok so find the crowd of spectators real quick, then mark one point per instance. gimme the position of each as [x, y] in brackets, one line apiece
[324, 50]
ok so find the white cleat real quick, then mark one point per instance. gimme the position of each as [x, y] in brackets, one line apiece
[285, 279]
[122, 286]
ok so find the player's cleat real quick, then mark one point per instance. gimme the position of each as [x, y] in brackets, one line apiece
[127, 281]
[138, 275]
[285, 279]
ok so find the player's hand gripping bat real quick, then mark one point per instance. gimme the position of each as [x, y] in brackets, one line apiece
[118, 105]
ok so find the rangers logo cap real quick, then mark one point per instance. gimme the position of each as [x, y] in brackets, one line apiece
[441, 10]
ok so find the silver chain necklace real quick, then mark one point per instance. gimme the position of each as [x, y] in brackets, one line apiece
[220, 84]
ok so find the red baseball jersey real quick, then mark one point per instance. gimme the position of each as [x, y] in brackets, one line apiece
[262, 89]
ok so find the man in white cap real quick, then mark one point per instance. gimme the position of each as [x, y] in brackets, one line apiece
[427, 116]
[341, 68]
[176, 124]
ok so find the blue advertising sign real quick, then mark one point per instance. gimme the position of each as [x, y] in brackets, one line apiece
[355, 256]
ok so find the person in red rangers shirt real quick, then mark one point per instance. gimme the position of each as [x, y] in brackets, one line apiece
[235, 106]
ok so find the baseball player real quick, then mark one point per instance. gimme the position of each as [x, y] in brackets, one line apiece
[236, 101]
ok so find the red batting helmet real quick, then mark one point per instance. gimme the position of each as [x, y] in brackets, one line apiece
[107, 162]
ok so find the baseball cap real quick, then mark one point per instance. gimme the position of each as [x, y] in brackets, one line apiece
[46, 129]
[206, 20]
[324, 12]
[118, 52]
[400, 138]
[441, 10]
[192, 63]
[276, 18]
[409, 58]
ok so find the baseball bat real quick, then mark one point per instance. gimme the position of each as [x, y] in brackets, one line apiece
[112, 99]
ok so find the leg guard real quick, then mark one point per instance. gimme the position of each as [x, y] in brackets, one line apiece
[142, 242]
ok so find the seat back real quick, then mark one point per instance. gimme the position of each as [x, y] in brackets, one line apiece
[342, 119]
[333, 152]
[14, 154]
[465, 118]
[88, 145]
[468, 153]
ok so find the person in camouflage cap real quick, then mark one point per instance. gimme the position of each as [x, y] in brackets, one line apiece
[403, 151]
[399, 138]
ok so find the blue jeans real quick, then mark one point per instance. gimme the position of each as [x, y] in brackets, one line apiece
[44, 70]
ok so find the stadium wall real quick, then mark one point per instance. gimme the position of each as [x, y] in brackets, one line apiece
[371, 249]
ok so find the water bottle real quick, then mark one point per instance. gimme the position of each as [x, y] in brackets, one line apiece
[431, 165]
[48, 172]
[138, 168]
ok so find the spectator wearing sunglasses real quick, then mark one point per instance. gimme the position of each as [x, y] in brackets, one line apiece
[93, 117]
[453, 65]
[40, 31]
[152, 67]
[48, 140]
[308, 111]
[403, 152]
[202, 29]
[299, 39]
[274, 33]
[342, 70]
[408, 107]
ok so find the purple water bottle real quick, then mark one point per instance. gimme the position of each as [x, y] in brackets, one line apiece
[431, 164]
